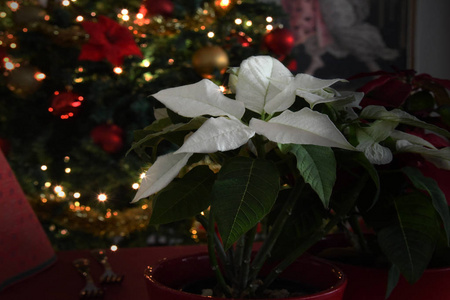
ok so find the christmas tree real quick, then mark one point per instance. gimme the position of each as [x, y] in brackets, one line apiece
[76, 81]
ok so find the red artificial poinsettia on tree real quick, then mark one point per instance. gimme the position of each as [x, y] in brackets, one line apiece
[108, 40]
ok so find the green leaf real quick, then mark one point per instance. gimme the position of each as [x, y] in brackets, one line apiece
[409, 241]
[244, 193]
[397, 115]
[152, 135]
[420, 101]
[183, 198]
[317, 165]
[393, 278]
[437, 196]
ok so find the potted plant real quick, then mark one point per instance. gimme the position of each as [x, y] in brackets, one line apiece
[406, 228]
[279, 142]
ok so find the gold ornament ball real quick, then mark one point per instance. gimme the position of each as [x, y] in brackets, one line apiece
[29, 14]
[208, 60]
[22, 80]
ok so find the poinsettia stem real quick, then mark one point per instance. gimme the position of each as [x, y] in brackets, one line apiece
[340, 214]
[362, 243]
[259, 143]
[218, 246]
[274, 233]
[246, 258]
[239, 252]
[213, 258]
[314, 238]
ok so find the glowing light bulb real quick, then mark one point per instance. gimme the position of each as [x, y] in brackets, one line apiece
[145, 63]
[76, 195]
[67, 170]
[118, 70]
[9, 66]
[210, 34]
[102, 197]
[58, 189]
[124, 11]
[140, 16]
[269, 19]
[142, 176]
[65, 2]
[269, 27]
[126, 17]
[114, 248]
[44, 168]
[135, 186]
[224, 3]
[80, 19]
[249, 23]
[238, 21]
[39, 76]
[48, 184]
[148, 76]
[13, 5]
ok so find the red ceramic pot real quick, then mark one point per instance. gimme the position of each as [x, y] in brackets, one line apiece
[366, 283]
[165, 280]
[371, 283]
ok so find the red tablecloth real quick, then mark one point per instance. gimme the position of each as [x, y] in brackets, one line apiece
[62, 282]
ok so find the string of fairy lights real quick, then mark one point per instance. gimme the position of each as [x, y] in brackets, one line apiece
[76, 216]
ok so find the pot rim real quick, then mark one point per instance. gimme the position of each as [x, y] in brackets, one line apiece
[341, 281]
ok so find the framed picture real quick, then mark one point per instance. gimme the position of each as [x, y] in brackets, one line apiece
[342, 38]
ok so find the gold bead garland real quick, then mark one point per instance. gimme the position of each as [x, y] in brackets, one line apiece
[107, 224]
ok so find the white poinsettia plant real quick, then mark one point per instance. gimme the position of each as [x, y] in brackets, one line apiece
[277, 143]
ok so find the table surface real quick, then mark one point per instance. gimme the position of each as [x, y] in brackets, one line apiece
[61, 281]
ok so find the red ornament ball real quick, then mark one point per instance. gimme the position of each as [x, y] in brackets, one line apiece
[159, 7]
[65, 104]
[280, 41]
[109, 137]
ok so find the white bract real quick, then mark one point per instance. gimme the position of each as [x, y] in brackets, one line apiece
[262, 85]
[369, 138]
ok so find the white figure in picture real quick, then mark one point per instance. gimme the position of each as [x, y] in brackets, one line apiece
[337, 27]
